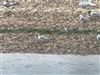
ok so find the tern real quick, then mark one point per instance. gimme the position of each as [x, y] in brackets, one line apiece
[98, 37]
[86, 4]
[67, 29]
[43, 38]
[83, 19]
[7, 3]
[94, 13]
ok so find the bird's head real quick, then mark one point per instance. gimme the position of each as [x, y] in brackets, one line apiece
[80, 15]
[89, 12]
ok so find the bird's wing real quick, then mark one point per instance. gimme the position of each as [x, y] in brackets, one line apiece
[84, 18]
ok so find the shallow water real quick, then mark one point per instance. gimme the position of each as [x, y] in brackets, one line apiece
[38, 64]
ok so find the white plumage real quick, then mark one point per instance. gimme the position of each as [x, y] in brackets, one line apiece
[85, 3]
[7, 3]
[67, 29]
[42, 38]
[83, 19]
[94, 13]
[92, 4]
[98, 37]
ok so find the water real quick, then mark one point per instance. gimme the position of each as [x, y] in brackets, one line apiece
[38, 64]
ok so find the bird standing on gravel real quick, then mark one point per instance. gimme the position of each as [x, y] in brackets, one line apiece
[83, 19]
[43, 38]
[86, 3]
[7, 3]
[67, 29]
[83, 5]
[98, 40]
[94, 13]
[98, 37]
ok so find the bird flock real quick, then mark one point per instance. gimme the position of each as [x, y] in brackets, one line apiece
[82, 19]
[92, 14]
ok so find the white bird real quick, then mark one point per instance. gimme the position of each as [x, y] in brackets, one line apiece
[92, 4]
[83, 19]
[98, 37]
[7, 3]
[94, 13]
[67, 29]
[43, 38]
[24, 0]
[85, 4]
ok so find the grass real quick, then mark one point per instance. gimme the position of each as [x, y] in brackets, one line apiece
[47, 31]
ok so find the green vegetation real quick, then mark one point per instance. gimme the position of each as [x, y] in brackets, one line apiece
[47, 31]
